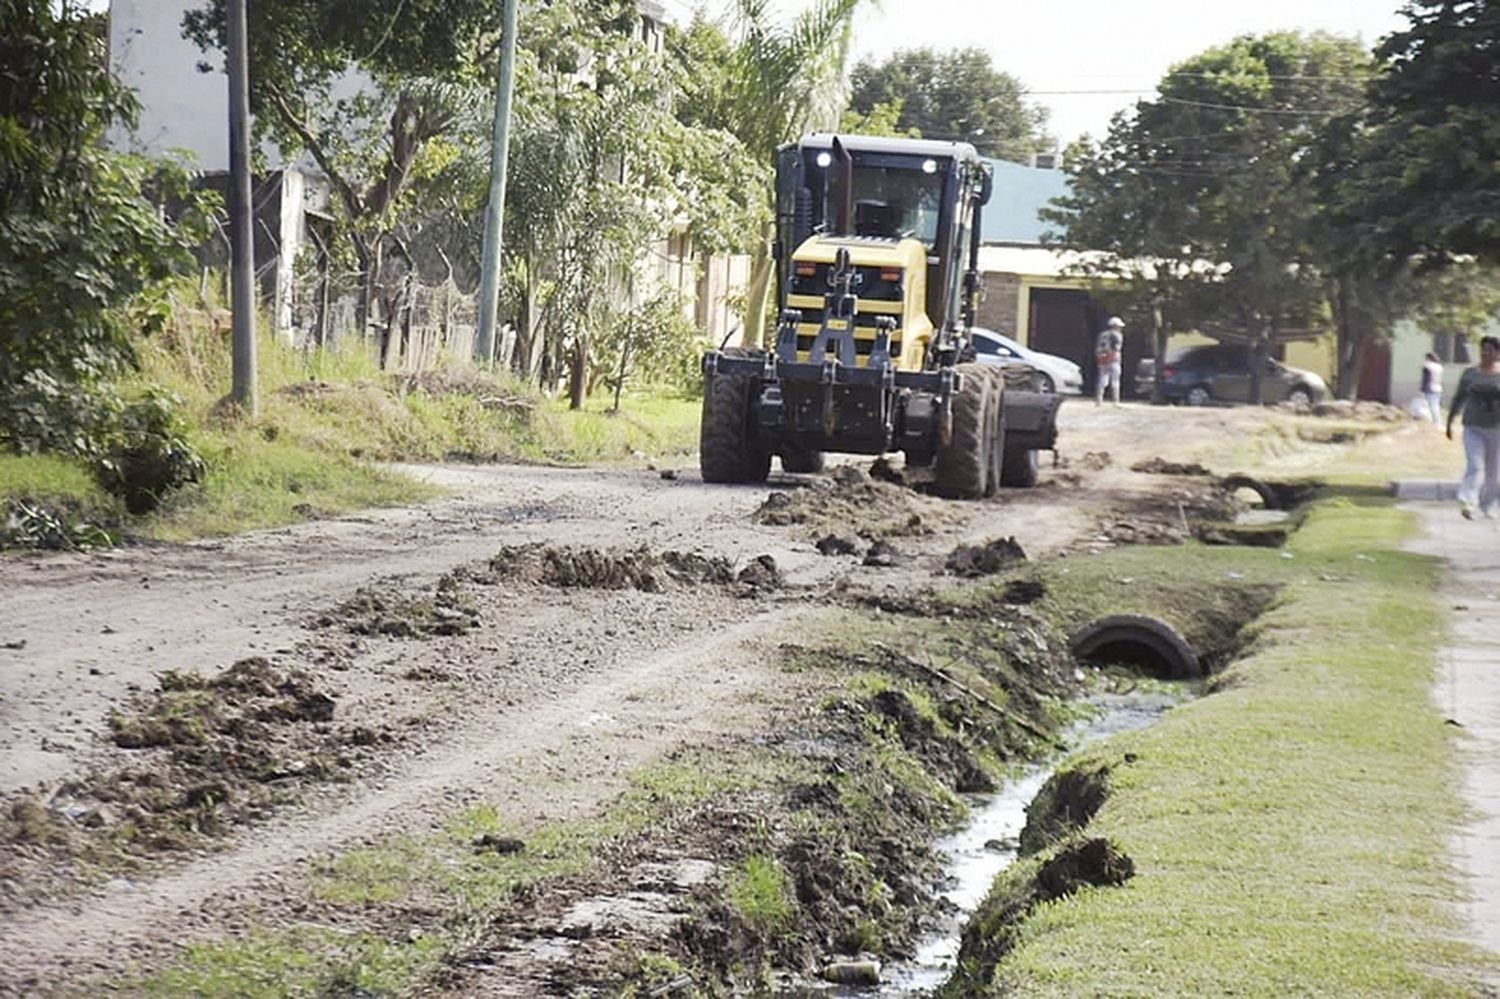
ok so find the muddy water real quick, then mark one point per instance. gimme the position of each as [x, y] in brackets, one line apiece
[987, 845]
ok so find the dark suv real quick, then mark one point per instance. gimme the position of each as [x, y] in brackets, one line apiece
[1221, 373]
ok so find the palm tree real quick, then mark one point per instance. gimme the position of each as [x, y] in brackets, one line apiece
[782, 80]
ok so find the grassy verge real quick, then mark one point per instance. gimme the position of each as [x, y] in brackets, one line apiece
[327, 420]
[1289, 832]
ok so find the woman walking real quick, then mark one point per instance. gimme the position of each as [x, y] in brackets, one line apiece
[1478, 398]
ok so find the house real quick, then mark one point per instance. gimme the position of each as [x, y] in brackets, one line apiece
[1031, 292]
[183, 111]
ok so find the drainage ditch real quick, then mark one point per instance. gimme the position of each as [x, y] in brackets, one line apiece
[991, 842]
[1045, 809]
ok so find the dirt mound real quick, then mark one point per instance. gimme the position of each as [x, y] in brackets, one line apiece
[987, 559]
[1093, 461]
[375, 610]
[1065, 805]
[1161, 466]
[995, 927]
[1165, 518]
[761, 574]
[199, 757]
[850, 500]
[467, 381]
[620, 569]
[836, 544]
[944, 755]
[1023, 591]
[1344, 409]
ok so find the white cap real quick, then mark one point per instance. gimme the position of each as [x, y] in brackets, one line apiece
[1115, 322]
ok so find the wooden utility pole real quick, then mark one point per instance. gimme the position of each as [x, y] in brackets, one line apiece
[494, 218]
[241, 232]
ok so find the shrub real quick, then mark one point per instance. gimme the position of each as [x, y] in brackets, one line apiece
[148, 455]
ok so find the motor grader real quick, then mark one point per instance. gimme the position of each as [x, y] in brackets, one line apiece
[877, 280]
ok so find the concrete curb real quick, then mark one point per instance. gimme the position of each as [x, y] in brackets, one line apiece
[1430, 490]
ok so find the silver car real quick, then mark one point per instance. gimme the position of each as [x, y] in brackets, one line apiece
[1054, 374]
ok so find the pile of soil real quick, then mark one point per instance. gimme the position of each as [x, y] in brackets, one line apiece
[197, 758]
[994, 929]
[1344, 409]
[622, 569]
[850, 501]
[377, 611]
[1160, 466]
[987, 559]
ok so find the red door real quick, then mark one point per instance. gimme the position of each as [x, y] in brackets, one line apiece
[1375, 373]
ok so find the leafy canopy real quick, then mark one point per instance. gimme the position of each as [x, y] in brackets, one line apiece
[957, 95]
[1429, 179]
[79, 239]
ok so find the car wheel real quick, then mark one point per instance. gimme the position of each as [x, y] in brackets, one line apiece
[1198, 396]
[1299, 396]
[1044, 383]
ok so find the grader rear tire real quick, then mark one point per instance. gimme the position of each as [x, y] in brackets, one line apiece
[808, 462]
[728, 446]
[962, 469]
[1021, 468]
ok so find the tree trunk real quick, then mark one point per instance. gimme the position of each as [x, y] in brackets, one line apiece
[366, 293]
[761, 265]
[1161, 333]
[1350, 341]
[578, 378]
[620, 376]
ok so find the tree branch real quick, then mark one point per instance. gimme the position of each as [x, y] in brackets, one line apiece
[351, 199]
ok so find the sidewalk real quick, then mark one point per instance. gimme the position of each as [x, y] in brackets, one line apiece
[1468, 692]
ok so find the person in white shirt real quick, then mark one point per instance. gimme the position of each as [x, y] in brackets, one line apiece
[1107, 357]
[1432, 387]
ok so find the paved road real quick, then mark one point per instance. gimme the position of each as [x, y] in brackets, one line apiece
[1468, 692]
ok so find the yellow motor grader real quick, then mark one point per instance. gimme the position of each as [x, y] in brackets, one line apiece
[877, 279]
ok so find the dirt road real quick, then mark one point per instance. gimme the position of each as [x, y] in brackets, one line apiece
[540, 699]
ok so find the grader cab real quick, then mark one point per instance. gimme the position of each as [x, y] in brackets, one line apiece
[877, 251]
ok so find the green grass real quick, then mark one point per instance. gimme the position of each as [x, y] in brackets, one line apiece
[760, 889]
[327, 419]
[1290, 831]
[311, 961]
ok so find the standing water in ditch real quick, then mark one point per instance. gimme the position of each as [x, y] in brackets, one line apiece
[988, 844]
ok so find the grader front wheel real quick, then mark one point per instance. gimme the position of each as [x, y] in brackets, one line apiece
[728, 447]
[964, 467]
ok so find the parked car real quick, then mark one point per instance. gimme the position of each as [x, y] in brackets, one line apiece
[1054, 374]
[1221, 373]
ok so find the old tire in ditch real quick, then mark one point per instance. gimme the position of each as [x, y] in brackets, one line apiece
[802, 461]
[729, 448]
[962, 468]
[1021, 468]
[1137, 640]
[1234, 483]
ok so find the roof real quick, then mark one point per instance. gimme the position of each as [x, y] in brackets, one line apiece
[1020, 192]
[876, 144]
[1031, 261]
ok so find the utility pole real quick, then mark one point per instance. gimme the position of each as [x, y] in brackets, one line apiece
[241, 235]
[494, 218]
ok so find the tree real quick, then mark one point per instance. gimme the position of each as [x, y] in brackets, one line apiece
[604, 169]
[1430, 175]
[79, 238]
[765, 83]
[957, 95]
[1207, 186]
[369, 94]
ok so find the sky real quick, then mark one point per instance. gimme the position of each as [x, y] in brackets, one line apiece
[1060, 47]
